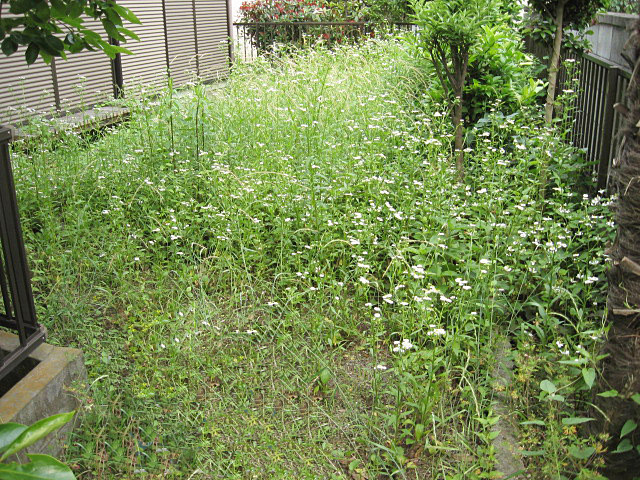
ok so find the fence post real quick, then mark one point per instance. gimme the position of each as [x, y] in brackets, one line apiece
[607, 128]
[116, 70]
[230, 35]
[20, 314]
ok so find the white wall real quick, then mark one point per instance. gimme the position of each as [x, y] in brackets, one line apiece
[235, 8]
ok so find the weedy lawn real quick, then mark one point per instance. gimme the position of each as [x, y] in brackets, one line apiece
[284, 278]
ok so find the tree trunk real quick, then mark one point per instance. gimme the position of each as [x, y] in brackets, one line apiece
[461, 64]
[554, 66]
[459, 136]
[621, 369]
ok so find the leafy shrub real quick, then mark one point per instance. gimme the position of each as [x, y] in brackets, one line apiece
[623, 6]
[265, 37]
[500, 74]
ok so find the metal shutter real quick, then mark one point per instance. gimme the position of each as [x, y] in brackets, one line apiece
[148, 66]
[181, 41]
[213, 45]
[85, 78]
[25, 89]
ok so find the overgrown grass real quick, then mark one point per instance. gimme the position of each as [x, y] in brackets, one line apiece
[283, 278]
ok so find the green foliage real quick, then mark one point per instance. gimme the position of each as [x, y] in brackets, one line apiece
[267, 38]
[542, 30]
[308, 290]
[577, 13]
[454, 23]
[622, 6]
[53, 28]
[381, 10]
[15, 437]
[500, 74]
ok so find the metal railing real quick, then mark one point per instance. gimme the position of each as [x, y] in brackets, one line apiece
[594, 121]
[17, 311]
[254, 39]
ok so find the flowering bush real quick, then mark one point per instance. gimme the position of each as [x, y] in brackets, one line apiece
[264, 38]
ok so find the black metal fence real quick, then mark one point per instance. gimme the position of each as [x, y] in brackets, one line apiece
[17, 312]
[254, 39]
[595, 124]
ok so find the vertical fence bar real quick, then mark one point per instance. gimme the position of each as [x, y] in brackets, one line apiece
[195, 36]
[23, 321]
[56, 87]
[607, 126]
[229, 11]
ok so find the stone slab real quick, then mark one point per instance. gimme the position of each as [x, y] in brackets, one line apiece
[506, 447]
[44, 391]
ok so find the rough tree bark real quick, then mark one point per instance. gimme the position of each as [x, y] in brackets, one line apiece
[621, 368]
[554, 63]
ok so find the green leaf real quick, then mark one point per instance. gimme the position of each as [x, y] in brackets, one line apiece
[41, 467]
[37, 431]
[76, 9]
[589, 375]
[533, 453]
[129, 33]
[575, 420]
[636, 398]
[54, 43]
[31, 55]
[624, 446]
[126, 14]
[43, 12]
[58, 9]
[22, 6]
[533, 422]
[111, 30]
[609, 393]
[8, 433]
[581, 453]
[547, 386]
[628, 427]
[324, 376]
[9, 46]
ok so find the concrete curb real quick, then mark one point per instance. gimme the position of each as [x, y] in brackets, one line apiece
[44, 391]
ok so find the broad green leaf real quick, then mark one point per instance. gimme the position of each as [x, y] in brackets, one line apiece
[129, 33]
[8, 433]
[41, 467]
[111, 29]
[628, 427]
[575, 420]
[31, 55]
[581, 453]
[609, 393]
[54, 43]
[126, 14]
[533, 422]
[43, 12]
[589, 375]
[325, 376]
[624, 446]
[37, 431]
[22, 6]
[9, 46]
[547, 386]
[557, 398]
[636, 398]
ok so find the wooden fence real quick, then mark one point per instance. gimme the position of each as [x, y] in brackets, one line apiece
[594, 121]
